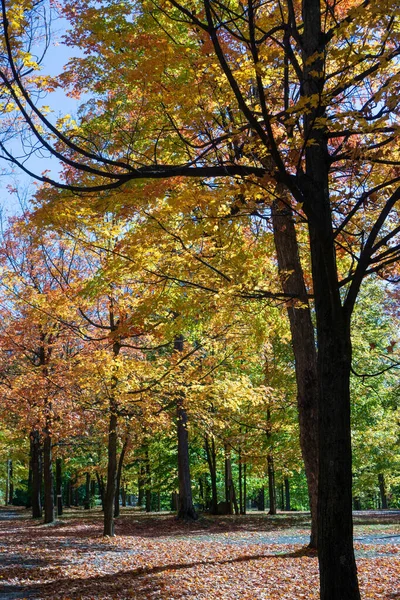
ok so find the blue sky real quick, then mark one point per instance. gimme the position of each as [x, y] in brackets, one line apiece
[56, 57]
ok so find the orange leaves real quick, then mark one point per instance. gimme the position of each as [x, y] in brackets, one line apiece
[249, 558]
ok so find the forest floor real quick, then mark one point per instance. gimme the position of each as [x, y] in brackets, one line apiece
[252, 557]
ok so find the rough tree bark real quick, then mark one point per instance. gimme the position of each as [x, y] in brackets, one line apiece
[303, 343]
[338, 573]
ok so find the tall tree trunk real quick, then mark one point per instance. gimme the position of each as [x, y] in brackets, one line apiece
[48, 476]
[382, 490]
[109, 495]
[271, 484]
[212, 465]
[303, 343]
[186, 509]
[287, 494]
[119, 474]
[338, 572]
[36, 461]
[59, 487]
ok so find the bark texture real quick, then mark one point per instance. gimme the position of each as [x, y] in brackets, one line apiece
[303, 343]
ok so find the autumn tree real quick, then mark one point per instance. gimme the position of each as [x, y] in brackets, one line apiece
[300, 101]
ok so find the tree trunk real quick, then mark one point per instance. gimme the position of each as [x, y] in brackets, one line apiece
[111, 475]
[11, 482]
[6, 493]
[271, 484]
[186, 509]
[28, 503]
[68, 494]
[303, 343]
[147, 481]
[141, 484]
[245, 488]
[382, 490]
[119, 474]
[338, 572]
[100, 483]
[228, 481]
[59, 487]
[261, 499]
[48, 477]
[212, 465]
[287, 494]
[86, 504]
[240, 482]
[123, 494]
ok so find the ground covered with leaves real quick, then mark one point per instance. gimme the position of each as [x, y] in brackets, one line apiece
[153, 556]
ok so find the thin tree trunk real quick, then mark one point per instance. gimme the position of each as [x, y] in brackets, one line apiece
[382, 490]
[86, 503]
[147, 481]
[271, 485]
[59, 487]
[6, 494]
[186, 509]
[100, 484]
[245, 488]
[119, 474]
[240, 481]
[228, 481]
[261, 499]
[212, 465]
[48, 476]
[109, 495]
[68, 495]
[29, 491]
[287, 494]
[141, 484]
[11, 482]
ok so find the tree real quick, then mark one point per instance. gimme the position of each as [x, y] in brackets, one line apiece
[285, 100]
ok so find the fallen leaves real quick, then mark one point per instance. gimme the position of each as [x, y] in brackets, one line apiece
[156, 557]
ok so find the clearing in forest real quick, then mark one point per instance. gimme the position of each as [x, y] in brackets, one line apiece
[154, 556]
